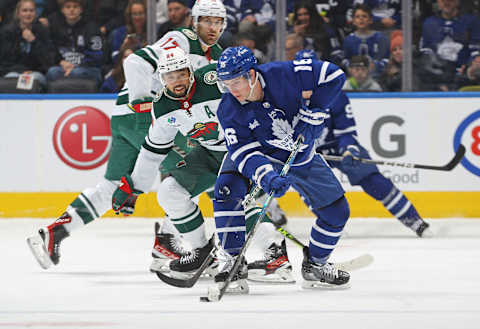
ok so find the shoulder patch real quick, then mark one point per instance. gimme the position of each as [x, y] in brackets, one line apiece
[190, 34]
[210, 78]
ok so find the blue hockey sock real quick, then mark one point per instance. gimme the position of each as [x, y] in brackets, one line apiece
[327, 229]
[383, 190]
[230, 223]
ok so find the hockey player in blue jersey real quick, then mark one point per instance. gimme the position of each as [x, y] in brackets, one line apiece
[263, 110]
[339, 137]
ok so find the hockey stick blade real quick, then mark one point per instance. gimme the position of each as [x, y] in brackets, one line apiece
[355, 263]
[449, 166]
[190, 282]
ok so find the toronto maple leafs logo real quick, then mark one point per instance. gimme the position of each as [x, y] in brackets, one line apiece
[283, 132]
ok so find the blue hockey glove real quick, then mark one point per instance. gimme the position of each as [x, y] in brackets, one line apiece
[310, 123]
[125, 197]
[349, 153]
[276, 183]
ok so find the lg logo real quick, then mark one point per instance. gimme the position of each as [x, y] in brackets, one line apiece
[82, 137]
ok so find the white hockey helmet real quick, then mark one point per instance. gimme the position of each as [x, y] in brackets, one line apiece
[212, 8]
[173, 59]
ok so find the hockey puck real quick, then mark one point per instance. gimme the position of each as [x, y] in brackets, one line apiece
[204, 299]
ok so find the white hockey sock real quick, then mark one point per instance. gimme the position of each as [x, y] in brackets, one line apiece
[76, 222]
[168, 227]
[265, 235]
[195, 238]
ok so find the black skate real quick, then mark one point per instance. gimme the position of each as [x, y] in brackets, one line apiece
[191, 261]
[423, 230]
[238, 284]
[274, 268]
[46, 245]
[322, 275]
[165, 248]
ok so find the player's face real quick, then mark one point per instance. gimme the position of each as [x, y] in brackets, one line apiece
[361, 19]
[209, 29]
[238, 87]
[177, 81]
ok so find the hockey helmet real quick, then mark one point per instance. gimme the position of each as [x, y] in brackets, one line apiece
[173, 59]
[235, 62]
[305, 53]
[211, 8]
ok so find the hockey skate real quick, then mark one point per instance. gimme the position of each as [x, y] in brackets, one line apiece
[274, 268]
[238, 284]
[322, 275]
[46, 245]
[165, 248]
[192, 260]
[422, 229]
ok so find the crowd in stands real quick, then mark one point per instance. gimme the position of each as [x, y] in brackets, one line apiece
[79, 45]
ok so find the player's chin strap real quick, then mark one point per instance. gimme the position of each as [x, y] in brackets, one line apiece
[252, 85]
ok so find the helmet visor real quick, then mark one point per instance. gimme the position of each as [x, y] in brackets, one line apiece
[238, 83]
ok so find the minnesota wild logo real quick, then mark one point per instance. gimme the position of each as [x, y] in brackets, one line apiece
[204, 131]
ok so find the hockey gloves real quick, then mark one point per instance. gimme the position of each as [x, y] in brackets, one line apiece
[276, 183]
[349, 153]
[310, 123]
[125, 197]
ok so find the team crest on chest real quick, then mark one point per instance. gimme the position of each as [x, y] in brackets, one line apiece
[190, 34]
[210, 78]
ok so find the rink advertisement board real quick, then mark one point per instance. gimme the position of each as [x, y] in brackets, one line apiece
[55, 146]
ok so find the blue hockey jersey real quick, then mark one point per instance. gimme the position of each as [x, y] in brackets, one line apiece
[259, 133]
[340, 128]
[376, 46]
[456, 40]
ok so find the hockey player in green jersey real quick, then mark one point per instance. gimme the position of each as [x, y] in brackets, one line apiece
[188, 105]
[129, 125]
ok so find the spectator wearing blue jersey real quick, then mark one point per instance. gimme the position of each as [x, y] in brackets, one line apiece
[78, 43]
[367, 42]
[386, 14]
[264, 109]
[450, 42]
[318, 35]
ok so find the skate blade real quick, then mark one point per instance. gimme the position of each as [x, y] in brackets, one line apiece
[323, 285]
[239, 287]
[39, 251]
[160, 265]
[427, 233]
[280, 276]
[210, 272]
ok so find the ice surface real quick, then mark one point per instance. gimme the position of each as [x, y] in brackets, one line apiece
[103, 281]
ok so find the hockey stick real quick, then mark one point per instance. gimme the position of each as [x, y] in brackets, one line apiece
[350, 265]
[188, 282]
[449, 166]
[215, 295]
